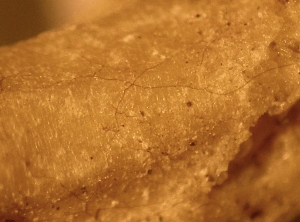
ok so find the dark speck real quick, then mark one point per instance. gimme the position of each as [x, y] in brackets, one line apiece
[164, 153]
[149, 172]
[256, 214]
[57, 208]
[210, 178]
[192, 144]
[252, 211]
[198, 16]
[189, 104]
[27, 163]
[283, 1]
[272, 44]
[91, 158]
[228, 23]
[83, 191]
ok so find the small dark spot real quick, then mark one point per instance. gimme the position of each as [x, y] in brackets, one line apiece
[53, 206]
[189, 104]
[83, 190]
[283, 1]
[164, 153]
[252, 211]
[57, 208]
[27, 163]
[91, 158]
[115, 179]
[197, 15]
[186, 61]
[258, 8]
[245, 24]
[160, 218]
[295, 47]
[142, 113]
[272, 45]
[149, 172]
[256, 213]
[210, 178]
[139, 37]
[228, 24]
[192, 144]
[221, 63]
[199, 32]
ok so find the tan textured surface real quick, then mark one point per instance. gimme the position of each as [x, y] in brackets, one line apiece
[136, 117]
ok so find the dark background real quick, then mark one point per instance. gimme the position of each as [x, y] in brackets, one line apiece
[20, 19]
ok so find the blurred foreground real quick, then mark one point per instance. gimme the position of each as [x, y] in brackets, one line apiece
[20, 20]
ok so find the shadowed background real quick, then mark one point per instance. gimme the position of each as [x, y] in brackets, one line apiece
[21, 20]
